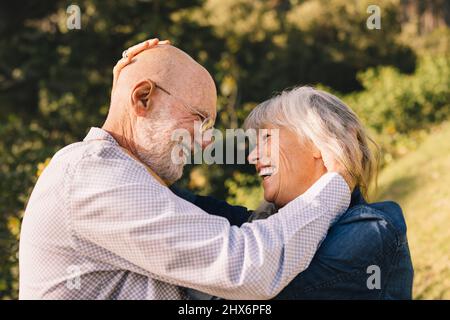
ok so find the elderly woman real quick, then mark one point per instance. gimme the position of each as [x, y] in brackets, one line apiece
[365, 254]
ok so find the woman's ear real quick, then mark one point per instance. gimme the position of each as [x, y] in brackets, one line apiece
[315, 151]
[141, 97]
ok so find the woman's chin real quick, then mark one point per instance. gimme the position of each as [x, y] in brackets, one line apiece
[270, 191]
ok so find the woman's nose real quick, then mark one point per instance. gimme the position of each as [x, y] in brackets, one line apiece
[253, 156]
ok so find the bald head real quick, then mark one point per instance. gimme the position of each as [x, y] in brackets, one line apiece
[173, 70]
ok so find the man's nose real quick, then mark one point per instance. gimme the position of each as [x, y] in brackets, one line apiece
[207, 138]
[206, 143]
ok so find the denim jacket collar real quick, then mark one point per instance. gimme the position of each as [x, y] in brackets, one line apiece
[357, 198]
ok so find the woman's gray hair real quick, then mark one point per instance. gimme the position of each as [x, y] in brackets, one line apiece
[326, 121]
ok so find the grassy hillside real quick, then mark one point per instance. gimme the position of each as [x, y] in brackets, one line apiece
[420, 182]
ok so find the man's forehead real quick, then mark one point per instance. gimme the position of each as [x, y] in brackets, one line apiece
[178, 73]
[193, 84]
[200, 93]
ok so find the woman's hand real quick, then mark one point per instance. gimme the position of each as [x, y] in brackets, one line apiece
[131, 53]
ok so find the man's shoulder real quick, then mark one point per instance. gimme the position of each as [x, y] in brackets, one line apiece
[94, 151]
[97, 161]
[80, 150]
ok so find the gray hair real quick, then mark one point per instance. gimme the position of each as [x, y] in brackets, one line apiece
[327, 122]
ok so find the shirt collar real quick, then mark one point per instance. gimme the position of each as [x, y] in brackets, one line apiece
[99, 134]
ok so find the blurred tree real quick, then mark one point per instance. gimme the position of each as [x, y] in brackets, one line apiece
[422, 17]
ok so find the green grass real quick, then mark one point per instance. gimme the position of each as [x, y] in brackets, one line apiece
[420, 183]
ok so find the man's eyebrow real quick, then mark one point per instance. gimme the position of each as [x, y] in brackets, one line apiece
[206, 114]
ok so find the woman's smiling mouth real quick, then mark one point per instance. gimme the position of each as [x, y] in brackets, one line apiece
[266, 172]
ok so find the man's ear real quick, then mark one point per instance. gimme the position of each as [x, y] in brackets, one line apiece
[141, 97]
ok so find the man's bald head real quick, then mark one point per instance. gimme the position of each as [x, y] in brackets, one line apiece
[173, 70]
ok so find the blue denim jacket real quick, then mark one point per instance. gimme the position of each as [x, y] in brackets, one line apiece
[365, 254]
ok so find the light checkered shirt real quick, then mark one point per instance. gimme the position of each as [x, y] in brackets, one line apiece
[99, 226]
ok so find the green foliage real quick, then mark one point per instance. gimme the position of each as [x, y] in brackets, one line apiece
[244, 190]
[397, 106]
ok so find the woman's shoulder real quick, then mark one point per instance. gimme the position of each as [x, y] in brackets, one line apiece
[365, 234]
[386, 218]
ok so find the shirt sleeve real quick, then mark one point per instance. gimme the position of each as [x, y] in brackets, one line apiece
[137, 224]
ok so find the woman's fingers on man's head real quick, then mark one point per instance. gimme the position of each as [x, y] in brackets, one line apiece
[132, 52]
[138, 48]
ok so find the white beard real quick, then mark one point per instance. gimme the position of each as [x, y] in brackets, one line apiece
[154, 147]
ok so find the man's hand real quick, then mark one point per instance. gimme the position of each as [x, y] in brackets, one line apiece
[333, 165]
[131, 53]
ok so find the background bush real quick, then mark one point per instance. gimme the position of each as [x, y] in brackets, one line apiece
[398, 106]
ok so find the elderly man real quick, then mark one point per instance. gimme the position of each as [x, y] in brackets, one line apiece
[102, 223]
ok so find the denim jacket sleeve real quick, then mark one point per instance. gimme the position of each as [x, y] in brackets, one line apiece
[236, 215]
